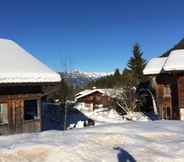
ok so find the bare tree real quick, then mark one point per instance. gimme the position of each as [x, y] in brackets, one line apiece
[125, 98]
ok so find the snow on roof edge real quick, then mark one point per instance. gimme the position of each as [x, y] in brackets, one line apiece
[88, 93]
[155, 66]
[175, 61]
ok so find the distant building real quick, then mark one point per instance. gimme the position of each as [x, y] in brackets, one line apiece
[91, 99]
[22, 82]
[168, 81]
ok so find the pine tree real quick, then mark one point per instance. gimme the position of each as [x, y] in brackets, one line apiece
[136, 65]
[117, 78]
[117, 73]
[127, 78]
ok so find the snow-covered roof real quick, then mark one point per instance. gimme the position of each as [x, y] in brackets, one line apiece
[174, 62]
[19, 66]
[155, 66]
[106, 92]
[83, 92]
[87, 92]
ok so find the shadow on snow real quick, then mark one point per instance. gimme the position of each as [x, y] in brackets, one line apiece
[53, 116]
[124, 156]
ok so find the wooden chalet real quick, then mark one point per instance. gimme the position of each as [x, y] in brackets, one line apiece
[23, 79]
[94, 98]
[168, 82]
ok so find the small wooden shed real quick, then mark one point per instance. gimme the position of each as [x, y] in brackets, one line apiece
[168, 81]
[23, 79]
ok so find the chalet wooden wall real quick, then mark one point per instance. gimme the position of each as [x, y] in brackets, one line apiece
[167, 96]
[14, 95]
[16, 122]
[96, 99]
[164, 103]
[181, 91]
[181, 96]
[170, 104]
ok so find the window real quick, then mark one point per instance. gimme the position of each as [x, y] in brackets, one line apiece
[30, 110]
[3, 113]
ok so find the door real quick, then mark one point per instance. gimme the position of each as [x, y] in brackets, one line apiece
[17, 106]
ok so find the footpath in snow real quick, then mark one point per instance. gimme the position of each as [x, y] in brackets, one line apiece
[134, 141]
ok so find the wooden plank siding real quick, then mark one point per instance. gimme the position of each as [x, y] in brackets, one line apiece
[181, 91]
[96, 98]
[16, 122]
[164, 95]
[181, 96]
[15, 95]
[164, 102]
[169, 95]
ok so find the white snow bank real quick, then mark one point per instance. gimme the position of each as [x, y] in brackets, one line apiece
[136, 116]
[107, 116]
[104, 116]
[140, 141]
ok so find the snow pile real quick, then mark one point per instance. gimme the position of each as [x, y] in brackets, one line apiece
[104, 115]
[133, 141]
[136, 116]
[79, 124]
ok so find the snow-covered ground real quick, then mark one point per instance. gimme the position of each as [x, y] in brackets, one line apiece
[134, 141]
[136, 116]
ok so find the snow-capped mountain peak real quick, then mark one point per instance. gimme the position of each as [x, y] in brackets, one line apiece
[78, 78]
[91, 74]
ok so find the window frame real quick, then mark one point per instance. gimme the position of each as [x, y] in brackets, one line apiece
[1, 113]
[37, 109]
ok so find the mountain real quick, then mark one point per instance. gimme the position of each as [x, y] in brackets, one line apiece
[80, 79]
[179, 45]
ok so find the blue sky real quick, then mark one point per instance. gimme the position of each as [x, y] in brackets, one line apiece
[92, 35]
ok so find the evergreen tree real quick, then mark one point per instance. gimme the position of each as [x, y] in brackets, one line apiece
[117, 78]
[127, 78]
[136, 65]
[117, 73]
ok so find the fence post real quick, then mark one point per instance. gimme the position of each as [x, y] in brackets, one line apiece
[65, 116]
